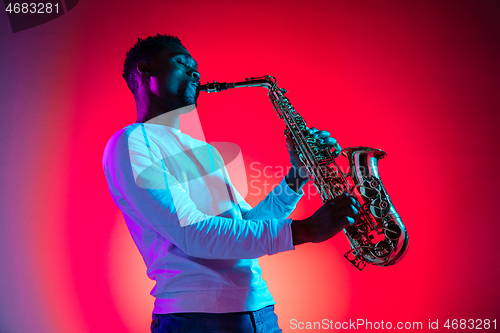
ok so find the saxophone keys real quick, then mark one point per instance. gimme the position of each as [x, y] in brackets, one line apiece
[355, 259]
[379, 208]
[373, 183]
[392, 231]
[382, 249]
[354, 233]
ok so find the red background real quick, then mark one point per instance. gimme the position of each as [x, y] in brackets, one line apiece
[418, 79]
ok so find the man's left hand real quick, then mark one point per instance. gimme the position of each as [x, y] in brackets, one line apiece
[323, 138]
[298, 174]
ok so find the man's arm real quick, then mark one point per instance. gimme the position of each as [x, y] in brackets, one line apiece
[172, 214]
[297, 178]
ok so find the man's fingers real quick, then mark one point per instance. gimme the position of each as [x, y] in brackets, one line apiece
[329, 141]
[323, 138]
[344, 196]
[347, 221]
[323, 134]
[317, 132]
[313, 130]
[349, 210]
[338, 198]
[337, 150]
[343, 206]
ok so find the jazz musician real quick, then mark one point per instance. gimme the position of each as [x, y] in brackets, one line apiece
[198, 237]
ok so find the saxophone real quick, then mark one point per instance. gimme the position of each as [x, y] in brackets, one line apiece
[378, 237]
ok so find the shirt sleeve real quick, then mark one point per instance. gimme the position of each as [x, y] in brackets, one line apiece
[278, 204]
[146, 190]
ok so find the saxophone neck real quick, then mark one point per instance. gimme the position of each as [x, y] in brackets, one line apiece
[263, 81]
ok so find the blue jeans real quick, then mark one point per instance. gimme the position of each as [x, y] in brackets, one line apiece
[260, 321]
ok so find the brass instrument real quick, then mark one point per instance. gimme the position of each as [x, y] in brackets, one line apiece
[378, 237]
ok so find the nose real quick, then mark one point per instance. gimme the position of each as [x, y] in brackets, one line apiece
[194, 73]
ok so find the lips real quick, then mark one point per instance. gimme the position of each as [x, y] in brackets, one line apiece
[193, 86]
[192, 89]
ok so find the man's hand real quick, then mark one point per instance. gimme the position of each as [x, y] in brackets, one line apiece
[327, 221]
[298, 175]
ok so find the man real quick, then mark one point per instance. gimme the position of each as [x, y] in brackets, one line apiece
[199, 239]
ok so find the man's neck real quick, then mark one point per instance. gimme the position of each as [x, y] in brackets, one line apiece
[169, 118]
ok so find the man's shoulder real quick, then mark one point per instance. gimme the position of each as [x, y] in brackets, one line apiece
[118, 142]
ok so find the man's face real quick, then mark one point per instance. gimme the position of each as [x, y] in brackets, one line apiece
[174, 77]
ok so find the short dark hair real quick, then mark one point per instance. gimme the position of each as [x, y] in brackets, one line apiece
[144, 49]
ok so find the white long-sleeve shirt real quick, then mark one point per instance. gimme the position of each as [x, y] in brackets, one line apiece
[199, 239]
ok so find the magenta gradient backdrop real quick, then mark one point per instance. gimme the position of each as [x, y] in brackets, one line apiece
[418, 79]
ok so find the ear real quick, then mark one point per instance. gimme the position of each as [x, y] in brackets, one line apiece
[143, 68]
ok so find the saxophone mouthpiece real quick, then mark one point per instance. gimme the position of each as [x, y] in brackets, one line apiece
[215, 87]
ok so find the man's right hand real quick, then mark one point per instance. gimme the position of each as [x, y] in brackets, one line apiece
[327, 221]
